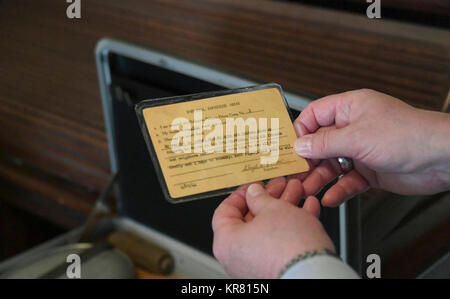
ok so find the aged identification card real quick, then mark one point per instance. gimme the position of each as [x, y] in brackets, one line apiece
[207, 144]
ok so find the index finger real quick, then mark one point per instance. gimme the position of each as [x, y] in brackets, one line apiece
[231, 210]
[327, 111]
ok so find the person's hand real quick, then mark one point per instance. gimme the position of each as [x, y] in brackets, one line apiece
[394, 146]
[256, 234]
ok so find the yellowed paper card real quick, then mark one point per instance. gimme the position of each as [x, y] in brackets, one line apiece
[193, 170]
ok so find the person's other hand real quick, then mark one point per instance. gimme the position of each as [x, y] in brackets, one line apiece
[394, 146]
[256, 234]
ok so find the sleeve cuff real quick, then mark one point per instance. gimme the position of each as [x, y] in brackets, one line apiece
[321, 266]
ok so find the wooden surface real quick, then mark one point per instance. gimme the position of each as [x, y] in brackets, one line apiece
[52, 137]
[435, 7]
[417, 11]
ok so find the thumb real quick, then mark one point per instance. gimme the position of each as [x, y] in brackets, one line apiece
[324, 144]
[257, 198]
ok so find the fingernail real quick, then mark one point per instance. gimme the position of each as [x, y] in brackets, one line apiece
[255, 190]
[298, 129]
[302, 145]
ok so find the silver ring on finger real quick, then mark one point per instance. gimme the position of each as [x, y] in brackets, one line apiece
[346, 164]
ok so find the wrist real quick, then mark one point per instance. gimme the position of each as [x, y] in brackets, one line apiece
[437, 134]
[307, 255]
[437, 148]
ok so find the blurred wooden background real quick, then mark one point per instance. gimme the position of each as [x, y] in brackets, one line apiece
[53, 150]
